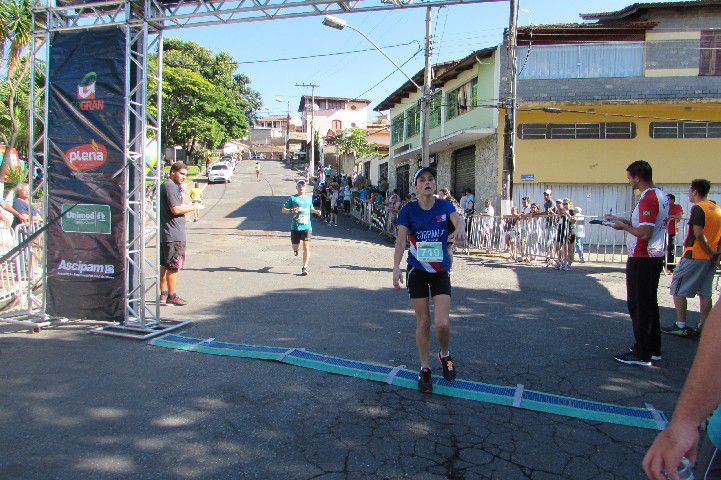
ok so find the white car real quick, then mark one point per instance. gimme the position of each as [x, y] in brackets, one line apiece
[220, 172]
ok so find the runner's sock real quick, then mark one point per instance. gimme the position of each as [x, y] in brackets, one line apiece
[445, 355]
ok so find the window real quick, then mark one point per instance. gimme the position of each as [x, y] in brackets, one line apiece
[685, 130]
[596, 60]
[353, 107]
[462, 99]
[352, 125]
[397, 129]
[413, 116]
[383, 171]
[337, 125]
[436, 101]
[545, 131]
[710, 63]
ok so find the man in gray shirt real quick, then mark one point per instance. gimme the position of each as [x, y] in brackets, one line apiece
[172, 233]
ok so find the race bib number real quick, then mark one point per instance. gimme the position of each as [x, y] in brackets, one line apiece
[429, 251]
[302, 218]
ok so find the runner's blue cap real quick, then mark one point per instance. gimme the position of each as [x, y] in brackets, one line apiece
[299, 183]
[423, 170]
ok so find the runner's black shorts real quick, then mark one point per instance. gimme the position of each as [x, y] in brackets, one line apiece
[335, 210]
[172, 255]
[297, 235]
[419, 283]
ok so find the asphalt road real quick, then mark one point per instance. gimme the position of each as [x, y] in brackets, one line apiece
[79, 406]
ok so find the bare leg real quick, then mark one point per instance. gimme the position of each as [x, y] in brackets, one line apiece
[172, 280]
[706, 304]
[423, 329]
[163, 279]
[306, 253]
[681, 304]
[441, 316]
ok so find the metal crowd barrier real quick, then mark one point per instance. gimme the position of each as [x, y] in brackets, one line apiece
[23, 268]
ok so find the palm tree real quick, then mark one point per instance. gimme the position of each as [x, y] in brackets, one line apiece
[15, 36]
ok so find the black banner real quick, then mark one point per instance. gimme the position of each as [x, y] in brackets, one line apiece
[86, 134]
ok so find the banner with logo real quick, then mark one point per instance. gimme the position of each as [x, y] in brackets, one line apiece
[86, 134]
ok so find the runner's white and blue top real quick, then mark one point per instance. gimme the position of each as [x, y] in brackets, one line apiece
[427, 234]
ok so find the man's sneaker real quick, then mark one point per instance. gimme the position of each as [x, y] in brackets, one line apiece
[176, 300]
[295, 253]
[449, 369]
[425, 382]
[163, 298]
[655, 358]
[631, 358]
[676, 330]
[304, 271]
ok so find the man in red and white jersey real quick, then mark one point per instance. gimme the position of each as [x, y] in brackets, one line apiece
[645, 241]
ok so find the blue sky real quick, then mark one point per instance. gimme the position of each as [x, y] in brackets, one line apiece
[458, 30]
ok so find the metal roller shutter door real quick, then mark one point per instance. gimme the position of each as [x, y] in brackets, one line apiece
[464, 171]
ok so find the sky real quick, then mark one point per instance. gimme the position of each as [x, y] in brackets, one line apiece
[457, 31]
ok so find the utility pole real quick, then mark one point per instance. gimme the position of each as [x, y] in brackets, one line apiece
[313, 86]
[426, 98]
[287, 133]
[509, 139]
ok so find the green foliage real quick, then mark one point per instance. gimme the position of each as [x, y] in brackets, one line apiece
[15, 176]
[204, 101]
[354, 141]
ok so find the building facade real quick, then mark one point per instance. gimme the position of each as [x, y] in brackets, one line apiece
[643, 82]
[463, 126]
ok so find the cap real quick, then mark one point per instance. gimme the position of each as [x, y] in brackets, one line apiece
[423, 170]
[547, 192]
[300, 183]
[558, 200]
[578, 210]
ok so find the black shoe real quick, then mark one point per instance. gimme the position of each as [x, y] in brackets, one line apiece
[295, 253]
[304, 271]
[176, 300]
[425, 382]
[449, 369]
[631, 358]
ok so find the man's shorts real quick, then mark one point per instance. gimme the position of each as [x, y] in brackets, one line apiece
[172, 255]
[297, 235]
[420, 282]
[693, 277]
[335, 210]
[708, 462]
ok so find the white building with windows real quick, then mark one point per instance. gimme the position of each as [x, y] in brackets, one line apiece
[333, 114]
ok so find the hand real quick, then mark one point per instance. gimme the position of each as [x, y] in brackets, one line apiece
[295, 210]
[618, 225]
[680, 439]
[397, 278]
[453, 237]
[24, 217]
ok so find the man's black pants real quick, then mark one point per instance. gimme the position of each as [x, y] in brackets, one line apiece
[671, 251]
[642, 276]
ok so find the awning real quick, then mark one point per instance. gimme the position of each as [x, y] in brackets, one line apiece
[451, 141]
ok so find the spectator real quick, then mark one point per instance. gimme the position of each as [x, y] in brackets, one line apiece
[563, 231]
[469, 214]
[333, 207]
[22, 206]
[525, 206]
[535, 232]
[467, 197]
[580, 234]
[328, 171]
[510, 226]
[172, 233]
[196, 196]
[363, 198]
[644, 242]
[675, 212]
[696, 269]
[346, 199]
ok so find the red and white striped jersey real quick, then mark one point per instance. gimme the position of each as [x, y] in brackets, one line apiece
[651, 210]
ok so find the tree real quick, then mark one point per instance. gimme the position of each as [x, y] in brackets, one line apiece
[204, 101]
[354, 142]
[15, 36]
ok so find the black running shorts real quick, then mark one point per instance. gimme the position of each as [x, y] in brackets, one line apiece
[297, 235]
[419, 283]
[172, 255]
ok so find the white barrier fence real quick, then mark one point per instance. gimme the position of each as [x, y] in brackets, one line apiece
[17, 271]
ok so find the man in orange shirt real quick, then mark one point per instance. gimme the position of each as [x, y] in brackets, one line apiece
[695, 271]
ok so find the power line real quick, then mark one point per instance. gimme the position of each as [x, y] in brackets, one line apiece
[320, 55]
[390, 74]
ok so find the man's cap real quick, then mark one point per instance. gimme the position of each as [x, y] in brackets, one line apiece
[547, 192]
[300, 183]
[558, 200]
[423, 170]
[578, 210]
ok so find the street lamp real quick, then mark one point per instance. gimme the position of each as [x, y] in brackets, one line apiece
[287, 126]
[340, 24]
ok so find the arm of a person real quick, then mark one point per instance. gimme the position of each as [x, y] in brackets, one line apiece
[183, 209]
[288, 207]
[400, 248]
[459, 233]
[701, 238]
[700, 395]
[8, 206]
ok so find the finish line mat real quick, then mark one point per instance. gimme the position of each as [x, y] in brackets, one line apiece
[517, 396]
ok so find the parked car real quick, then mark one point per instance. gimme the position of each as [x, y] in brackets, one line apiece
[220, 172]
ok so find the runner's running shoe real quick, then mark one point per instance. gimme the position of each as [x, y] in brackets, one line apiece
[304, 271]
[678, 331]
[176, 300]
[425, 382]
[449, 369]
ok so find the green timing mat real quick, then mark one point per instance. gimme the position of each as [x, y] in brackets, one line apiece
[517, 396]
